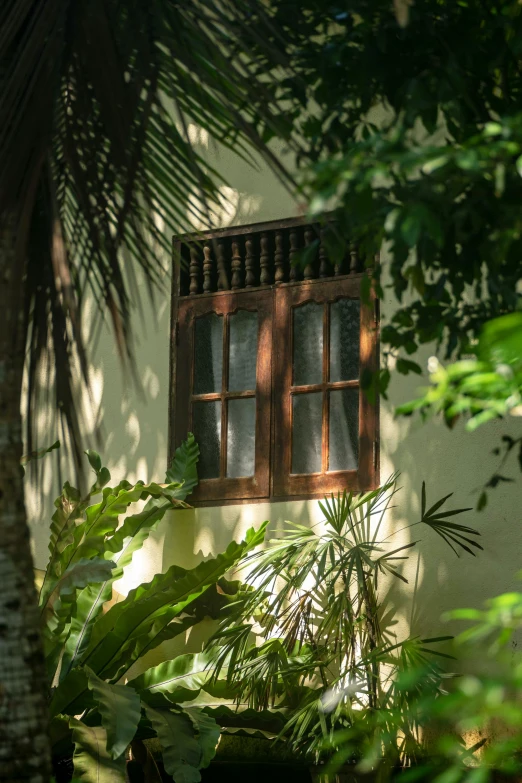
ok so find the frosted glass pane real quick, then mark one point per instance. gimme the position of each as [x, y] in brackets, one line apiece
[208, 352]
[241, 437]
[243, 351]
[308, 344]
[344, 429]
[206, 425]
[307, 432]
[344, 339]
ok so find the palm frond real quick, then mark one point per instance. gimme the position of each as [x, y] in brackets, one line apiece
[102, 107]
[453, 534]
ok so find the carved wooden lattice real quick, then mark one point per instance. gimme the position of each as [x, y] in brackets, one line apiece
[257, 256]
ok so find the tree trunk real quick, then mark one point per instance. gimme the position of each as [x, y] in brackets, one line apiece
[24, 744]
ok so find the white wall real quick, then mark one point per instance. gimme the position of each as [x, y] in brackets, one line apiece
[135, 446]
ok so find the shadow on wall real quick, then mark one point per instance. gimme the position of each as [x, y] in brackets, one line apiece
[134, 431]
[134, 424]
[458, 462]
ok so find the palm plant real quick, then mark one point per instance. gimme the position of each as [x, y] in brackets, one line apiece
[309, 640]
[95, 153]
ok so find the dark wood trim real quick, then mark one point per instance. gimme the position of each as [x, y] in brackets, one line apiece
[307, 284]
[313, 387]
[183, 379]
[271, 499]
[326, 396]
[286, 484]
[249, 228]
[173, 349]
[190, 308]
[273, 480]
[227, 395]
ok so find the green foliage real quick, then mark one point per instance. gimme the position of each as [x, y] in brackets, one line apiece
[480, 390]
[132, 94]
[476, 724]
[92, 760]
[190, 738]
[414, 138]
[309, 642]
[120, 711]
[89, 647]
[180, 679]
[38, 454]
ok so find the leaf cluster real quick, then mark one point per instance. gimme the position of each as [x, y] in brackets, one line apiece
[413, 137]
[476, 725]
[91, 643]
[108, 110]
[309, 640]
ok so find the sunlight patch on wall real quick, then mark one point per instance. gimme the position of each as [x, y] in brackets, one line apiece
[204, 541]
[132, 428]
[140, 473]
[396, 430]
[146, 563]
[151, 383]
[197, 135]
[235, 208]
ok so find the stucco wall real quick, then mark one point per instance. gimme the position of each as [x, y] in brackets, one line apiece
[135, 446]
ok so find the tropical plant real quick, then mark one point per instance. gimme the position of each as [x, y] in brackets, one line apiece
[102, 107]
[480, 389]
[309, 640]
[414, 138]
[476, 725]
[90, 649]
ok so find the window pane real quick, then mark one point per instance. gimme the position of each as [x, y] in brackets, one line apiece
[243, 351]
[206, 424]
[307, 432]
[308, 344]
[241, 437]
[344, 339]
[344, 429]
[208, 354]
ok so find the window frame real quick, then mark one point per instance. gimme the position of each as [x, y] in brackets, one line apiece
[289, 296]
[226, 303]
[273, 446]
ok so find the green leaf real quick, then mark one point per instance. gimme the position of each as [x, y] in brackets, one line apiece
[135, 625]
[335, 245]
[405, 366]
[120, 710]
[308, 254]
[59, 612]
[208, 733]
[183, 469]
[81, 573]
[181, 752]
[89, 538]
[92, 762]
[180, 679]
[272, 720]
[501, 341]
[411, 229]
[39, 454]
[103, 478]
[127, 539]
[94, 460]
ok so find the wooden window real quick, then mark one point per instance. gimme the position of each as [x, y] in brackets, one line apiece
[266, 369]
[223, 390]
